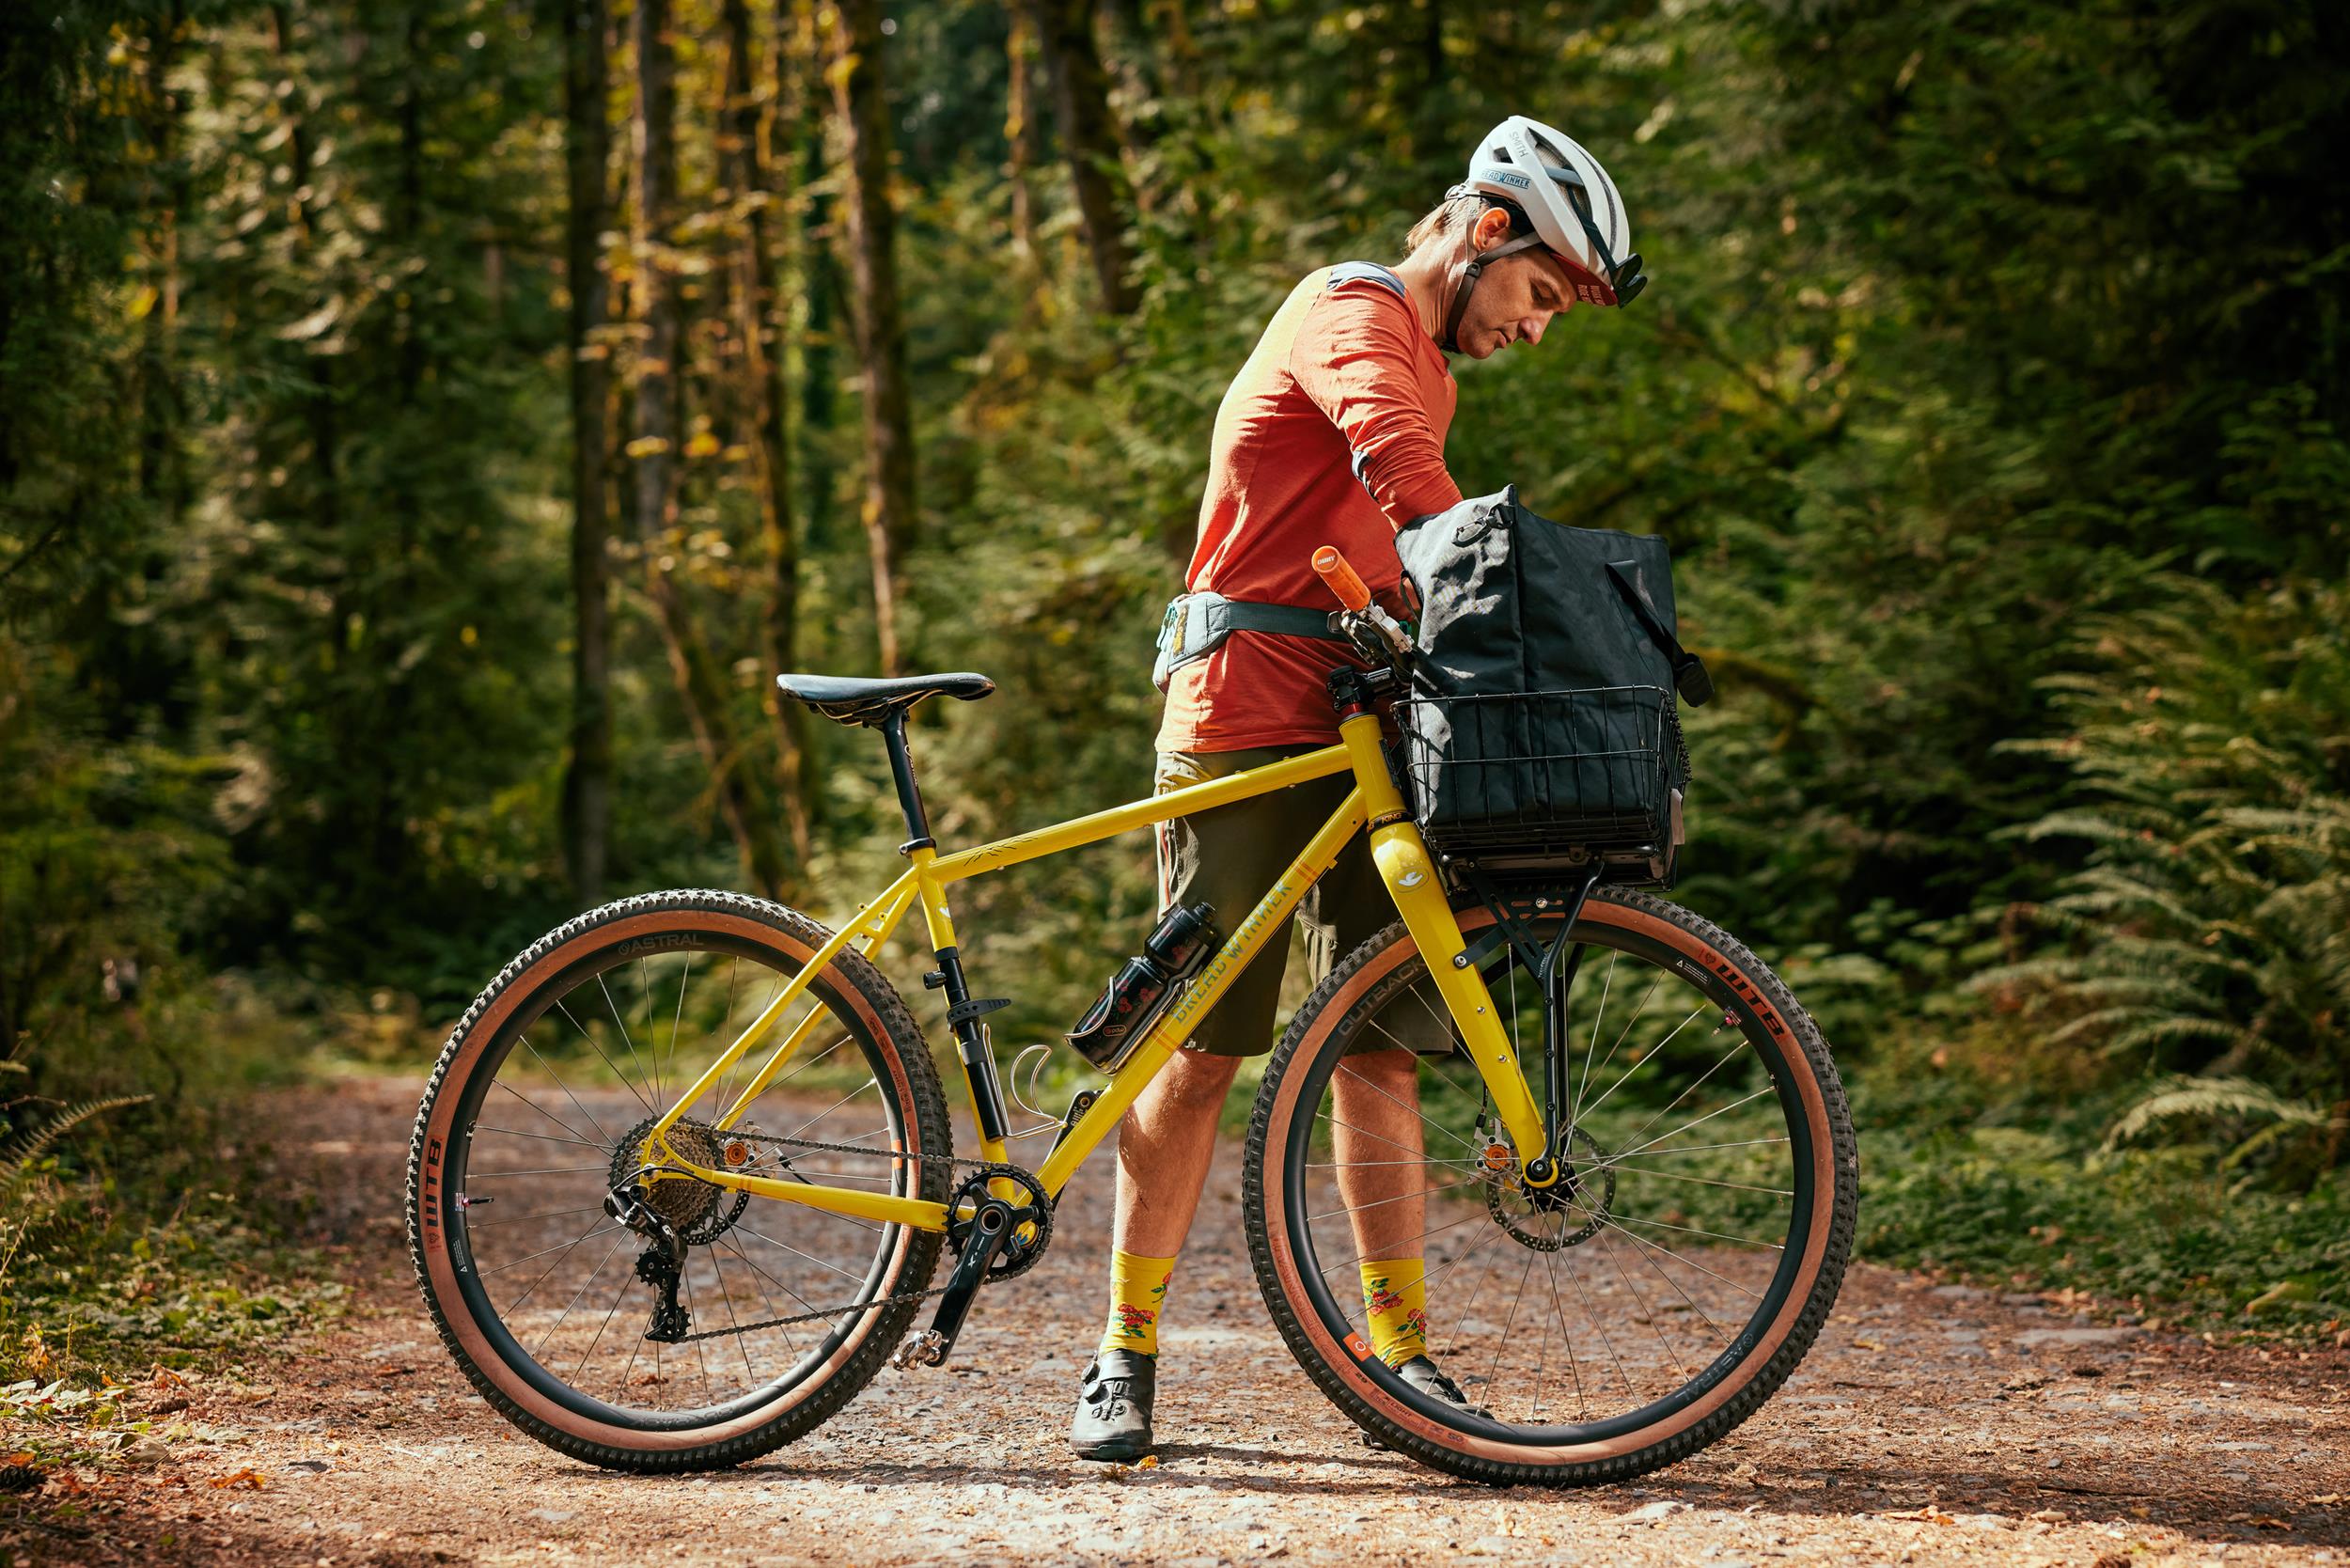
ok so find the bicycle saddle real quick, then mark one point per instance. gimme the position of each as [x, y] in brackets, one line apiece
[849, 699]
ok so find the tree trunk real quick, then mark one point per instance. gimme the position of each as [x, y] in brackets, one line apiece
[161, 475]
[1021, 130]
[1089, 137]
[699, 680]
[587, 136]
[857, 91]
[1182, 54]
[746, 125]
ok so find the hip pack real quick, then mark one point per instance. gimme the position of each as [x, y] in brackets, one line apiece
[1196, 623]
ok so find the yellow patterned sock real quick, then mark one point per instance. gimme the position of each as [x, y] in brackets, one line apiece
[1137, 1290]
[1395, 1294]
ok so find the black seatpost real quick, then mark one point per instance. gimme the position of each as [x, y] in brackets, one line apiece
[893, 730]
[962, 1013]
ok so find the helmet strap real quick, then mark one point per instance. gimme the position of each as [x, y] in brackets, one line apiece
[1465, 284]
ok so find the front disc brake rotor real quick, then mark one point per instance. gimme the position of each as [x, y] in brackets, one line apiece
[1526, 1213]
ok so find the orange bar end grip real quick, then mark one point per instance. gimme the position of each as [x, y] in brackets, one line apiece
[1341, 578]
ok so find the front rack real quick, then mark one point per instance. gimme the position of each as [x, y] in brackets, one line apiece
[1522, 783]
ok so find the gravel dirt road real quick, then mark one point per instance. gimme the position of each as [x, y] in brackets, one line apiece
[1931, 1424]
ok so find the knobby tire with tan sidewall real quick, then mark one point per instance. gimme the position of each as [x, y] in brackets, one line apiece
[1767, 1350]
[532, 1396]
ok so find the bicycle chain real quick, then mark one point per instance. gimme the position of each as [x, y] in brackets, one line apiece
[815, 1146]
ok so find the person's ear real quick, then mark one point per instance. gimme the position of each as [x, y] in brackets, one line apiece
[1491, 228]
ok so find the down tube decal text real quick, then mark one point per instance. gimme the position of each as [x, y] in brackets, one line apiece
[1269, 909]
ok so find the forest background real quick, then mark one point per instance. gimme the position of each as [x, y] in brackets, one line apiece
[425, 425]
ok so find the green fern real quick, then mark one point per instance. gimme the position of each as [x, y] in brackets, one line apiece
[2218, 1100]
[2206, 935]
[21, 1156]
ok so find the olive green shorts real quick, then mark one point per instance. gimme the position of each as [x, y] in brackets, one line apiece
[1230, 857]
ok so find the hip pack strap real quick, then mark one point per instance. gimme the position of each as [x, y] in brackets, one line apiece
[1196, 623]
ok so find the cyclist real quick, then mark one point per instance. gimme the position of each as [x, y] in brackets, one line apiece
[1332, 433]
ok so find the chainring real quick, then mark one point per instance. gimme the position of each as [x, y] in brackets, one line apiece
[1031, 1232]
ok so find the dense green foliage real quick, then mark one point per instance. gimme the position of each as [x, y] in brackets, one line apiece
[1991, 392]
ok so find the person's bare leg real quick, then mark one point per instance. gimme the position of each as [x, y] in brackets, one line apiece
[1164, 1146]
[1376, 1142]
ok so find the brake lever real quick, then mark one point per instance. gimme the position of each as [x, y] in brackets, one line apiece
[1375, 634]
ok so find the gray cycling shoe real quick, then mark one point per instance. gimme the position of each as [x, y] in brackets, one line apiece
[1428, 1378]
[1113, 1418]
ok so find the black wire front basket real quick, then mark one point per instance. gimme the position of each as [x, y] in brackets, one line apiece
[1525, 785]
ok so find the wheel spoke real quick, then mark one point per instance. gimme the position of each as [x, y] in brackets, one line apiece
[558, 1246]
[563, 1007]
[472, 1224]
[1693, 1231]
[1329, 1269]
[549, 1137]
[1360, 1132]
[1606, 1342]
[1501, 1343]
[1398, 1197]
[797, 1254]
[1709, 1116]
[1574, 1110]
[1413, 1109]
[565, 1316]
[1676, 1257]
[541, 1110]
[1650, 1055]
[1705, 1181]
[1574, 1369]
[741, 1342]
[1590, 1049]
[574, 1099]
[1647, 1312]
[626, 1039]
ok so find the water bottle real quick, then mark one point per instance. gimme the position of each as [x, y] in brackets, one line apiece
[1120, 1017]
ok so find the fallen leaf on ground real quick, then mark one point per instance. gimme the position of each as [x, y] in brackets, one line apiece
[243, 1478]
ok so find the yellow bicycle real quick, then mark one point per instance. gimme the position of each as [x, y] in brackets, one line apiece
[684, 1172]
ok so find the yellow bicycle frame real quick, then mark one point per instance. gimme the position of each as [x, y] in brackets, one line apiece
[1396, 848]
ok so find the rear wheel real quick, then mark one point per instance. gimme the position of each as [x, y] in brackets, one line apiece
[537, 1109]
[1629, 1315]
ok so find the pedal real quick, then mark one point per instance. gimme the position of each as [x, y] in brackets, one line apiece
[924, 1347]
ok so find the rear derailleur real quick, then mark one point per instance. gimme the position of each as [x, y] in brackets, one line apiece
[662, 1265]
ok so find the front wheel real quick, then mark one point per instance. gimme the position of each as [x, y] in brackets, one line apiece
[1617, 1321]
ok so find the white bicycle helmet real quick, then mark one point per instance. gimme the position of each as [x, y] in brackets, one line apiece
[1576, 210]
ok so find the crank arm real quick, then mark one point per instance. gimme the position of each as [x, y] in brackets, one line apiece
[991, 1227]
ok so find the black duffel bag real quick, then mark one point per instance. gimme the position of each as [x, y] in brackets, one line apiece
[1540, 730]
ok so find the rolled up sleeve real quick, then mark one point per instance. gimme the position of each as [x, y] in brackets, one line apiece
[1353, 358]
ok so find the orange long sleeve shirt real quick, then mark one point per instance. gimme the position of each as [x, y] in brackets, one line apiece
[1332, 433]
